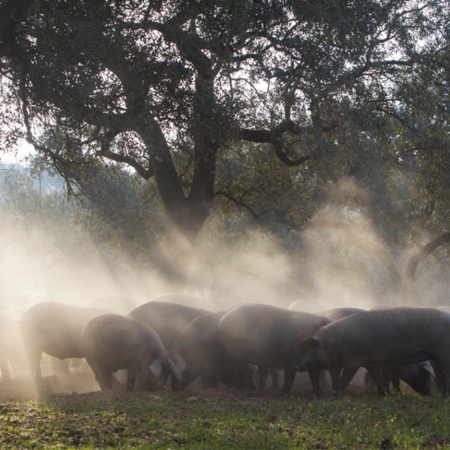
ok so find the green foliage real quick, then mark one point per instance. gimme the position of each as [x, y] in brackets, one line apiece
[219, 420]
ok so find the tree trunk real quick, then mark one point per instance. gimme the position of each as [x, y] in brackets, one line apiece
[185, 214]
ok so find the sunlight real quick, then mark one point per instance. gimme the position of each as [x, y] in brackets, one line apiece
[18, 155]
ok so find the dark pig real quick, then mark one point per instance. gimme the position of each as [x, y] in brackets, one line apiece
[419, 376]
[373, 339]
[267, 336]
[111, 342]
[198, 351]
[54, 328]
[167, 319]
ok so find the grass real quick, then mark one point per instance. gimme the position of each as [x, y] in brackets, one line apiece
[223, 419]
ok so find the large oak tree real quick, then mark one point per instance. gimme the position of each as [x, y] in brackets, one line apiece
[167, 86]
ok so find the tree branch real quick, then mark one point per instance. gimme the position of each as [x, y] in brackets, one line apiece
[269, 137]
[141, 170]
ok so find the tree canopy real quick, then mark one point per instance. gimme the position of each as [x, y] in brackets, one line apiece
[182, 91]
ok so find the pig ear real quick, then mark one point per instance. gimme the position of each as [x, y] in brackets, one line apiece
[429, 368]
[156, 368]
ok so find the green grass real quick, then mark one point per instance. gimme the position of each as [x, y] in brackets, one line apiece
[224, 419]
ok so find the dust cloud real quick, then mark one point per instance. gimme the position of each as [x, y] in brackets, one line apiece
[324, 269]
[327, 269]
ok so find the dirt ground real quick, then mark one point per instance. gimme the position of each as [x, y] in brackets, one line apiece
[24, 387]
[80, 380]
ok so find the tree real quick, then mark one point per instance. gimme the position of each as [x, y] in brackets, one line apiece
[166, 86]
[51, 242]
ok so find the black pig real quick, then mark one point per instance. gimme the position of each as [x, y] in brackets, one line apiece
[167, 319]
[111, 342]
[199, 352]
[373, 339]
[268, 336]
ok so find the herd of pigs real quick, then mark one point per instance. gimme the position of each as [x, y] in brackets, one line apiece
[169, 342]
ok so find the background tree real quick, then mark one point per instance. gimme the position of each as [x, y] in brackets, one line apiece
[78, 248]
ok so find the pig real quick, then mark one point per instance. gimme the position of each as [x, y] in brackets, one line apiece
[372, 339]
[167, 319]
[54, 328]
[12, 350]
[199, 352]
[111, 342]
[267, 336]
[418, 376]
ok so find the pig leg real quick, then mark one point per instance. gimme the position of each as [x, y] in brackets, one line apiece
[377, 377]
[444, 369]
[289, 375]
[314, 376]
[246, 378]
[393, 378]
[105, 380]
[34, 357]
[103, 377]
[275, 379]
[162, 379]
[347, 374]
[335, 376]
[132, 375]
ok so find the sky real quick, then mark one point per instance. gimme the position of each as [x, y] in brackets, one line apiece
[23, 152]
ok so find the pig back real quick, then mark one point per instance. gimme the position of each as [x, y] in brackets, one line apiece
[265, 334]
[114, 339]
[400, 330]
[55, 328]
[167, 319]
